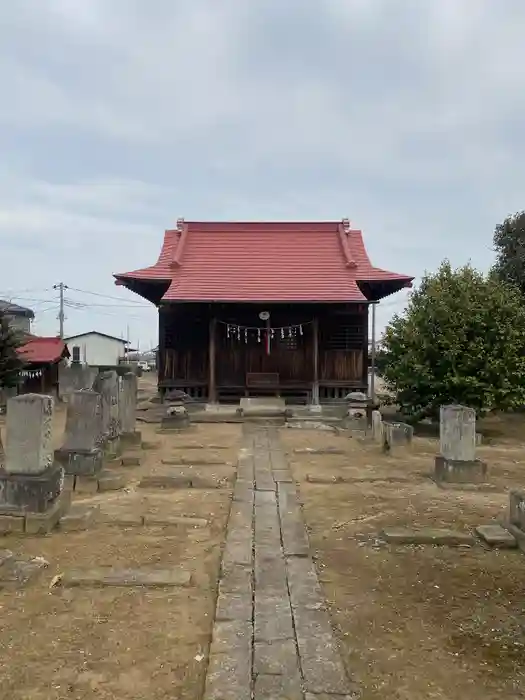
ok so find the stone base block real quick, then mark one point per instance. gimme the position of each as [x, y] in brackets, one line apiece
[86, 484]
[79, 517]
[20, 521]
[517, 509]
[460, 471]
[175, 423]
[147, 578]
[32, 492]
[131, 439]
[112, 448]
[518, 534]
[112, 482]
[42, 523]
[130, 461]
[496, 536]
[80, 462]
[432, 536]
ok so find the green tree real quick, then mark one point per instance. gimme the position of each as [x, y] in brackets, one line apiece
[509, 243]
[460, 340]
[10, 362]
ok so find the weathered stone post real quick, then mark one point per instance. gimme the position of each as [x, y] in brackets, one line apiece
[31, 482]
[128, 410]
[106, 384]
[81, 454]
[377, 426]
[457, 459]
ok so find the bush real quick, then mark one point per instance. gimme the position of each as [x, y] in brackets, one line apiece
[460, 340]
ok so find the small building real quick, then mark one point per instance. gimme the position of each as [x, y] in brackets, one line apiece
[42, 357]
[97, 349]
[19, 317]
[253, 309]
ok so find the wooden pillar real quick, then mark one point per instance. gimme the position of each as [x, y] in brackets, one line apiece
[212, 384]
[315, 342]
[373, 356]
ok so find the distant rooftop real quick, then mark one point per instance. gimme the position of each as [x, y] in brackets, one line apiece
[15, 309]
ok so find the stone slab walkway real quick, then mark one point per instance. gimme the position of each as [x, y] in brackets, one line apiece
[272, 638]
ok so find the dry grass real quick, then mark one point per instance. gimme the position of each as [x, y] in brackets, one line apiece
[121, 644]
[416, 622]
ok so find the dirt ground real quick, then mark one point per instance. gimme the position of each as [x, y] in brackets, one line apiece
[121, 643]
[416, 622]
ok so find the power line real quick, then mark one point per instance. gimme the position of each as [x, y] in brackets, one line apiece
[107, 296]
[16, 293]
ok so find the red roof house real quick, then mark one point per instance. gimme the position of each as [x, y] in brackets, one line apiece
[251, 308]
[41, 357]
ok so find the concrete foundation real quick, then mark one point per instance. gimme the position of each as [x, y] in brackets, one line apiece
[80, 462]
[459, 471]
[30, 492]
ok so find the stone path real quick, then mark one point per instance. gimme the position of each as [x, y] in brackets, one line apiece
[272, 638]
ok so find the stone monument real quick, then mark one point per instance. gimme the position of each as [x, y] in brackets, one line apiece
[107, 385]
[457, 461]
[128, 409]
[31, 482]
[81, 453]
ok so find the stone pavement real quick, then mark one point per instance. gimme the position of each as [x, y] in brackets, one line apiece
[272, 638]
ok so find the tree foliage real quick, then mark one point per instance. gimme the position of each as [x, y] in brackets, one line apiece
[509, 243]
[10, 362]
[460, 340]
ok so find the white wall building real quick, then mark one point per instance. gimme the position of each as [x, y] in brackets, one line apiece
[96, 349]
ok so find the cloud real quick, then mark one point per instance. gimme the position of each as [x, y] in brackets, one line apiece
[119, 116]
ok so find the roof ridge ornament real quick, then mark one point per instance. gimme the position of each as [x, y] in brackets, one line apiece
[343, 230]
[178, 251]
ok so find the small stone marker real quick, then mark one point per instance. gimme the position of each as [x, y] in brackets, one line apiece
[128, 409]
[31, 482]
[496, 536]
[457, 459]
[81, 453]
[396, 435]
[435, 536]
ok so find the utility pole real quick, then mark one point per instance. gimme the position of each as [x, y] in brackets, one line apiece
[61, 286]
[373, 355]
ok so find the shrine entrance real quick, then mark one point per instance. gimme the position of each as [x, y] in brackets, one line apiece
[265, 360]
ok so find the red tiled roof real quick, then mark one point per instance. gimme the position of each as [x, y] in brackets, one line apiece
[263, 262]
[43, 350]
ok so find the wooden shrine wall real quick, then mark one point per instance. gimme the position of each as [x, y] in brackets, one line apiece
[184, 344]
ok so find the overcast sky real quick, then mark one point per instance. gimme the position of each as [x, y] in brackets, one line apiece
[119, 116]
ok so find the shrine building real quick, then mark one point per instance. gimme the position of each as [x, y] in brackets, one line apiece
[258, 309]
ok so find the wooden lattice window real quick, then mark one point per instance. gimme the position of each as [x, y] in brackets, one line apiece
[343, 333]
